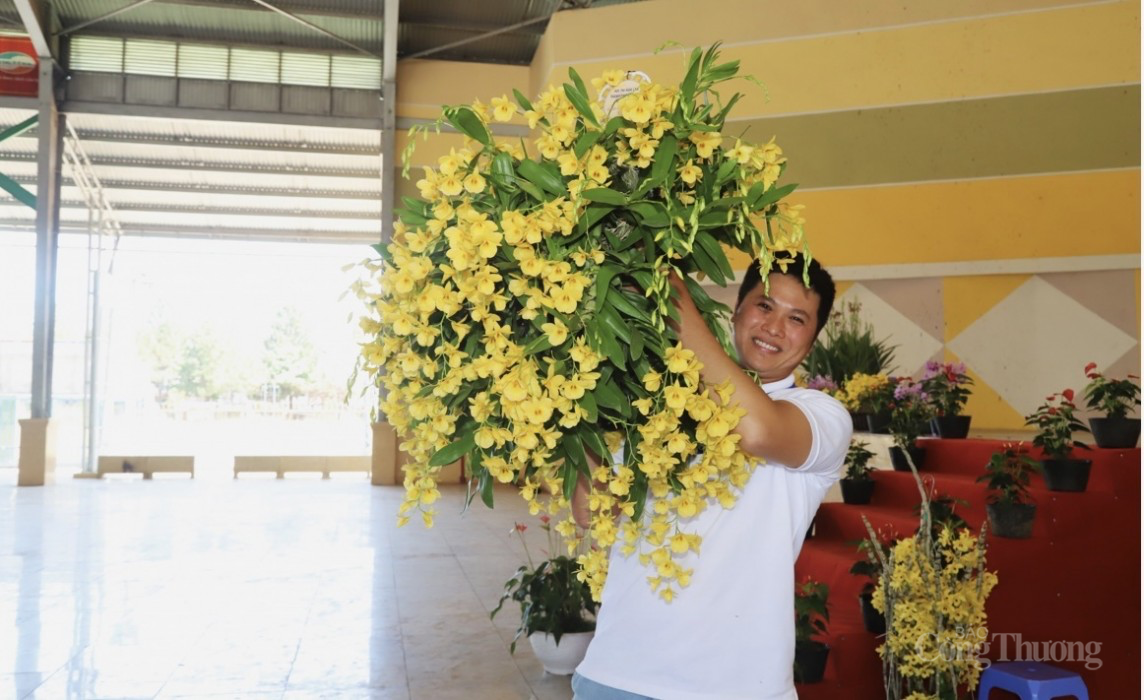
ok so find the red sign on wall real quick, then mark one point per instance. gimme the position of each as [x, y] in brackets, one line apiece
[19, 67]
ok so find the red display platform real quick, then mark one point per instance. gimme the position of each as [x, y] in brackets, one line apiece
[1071, 591]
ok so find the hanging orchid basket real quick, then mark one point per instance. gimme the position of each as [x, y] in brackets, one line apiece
[520, 316]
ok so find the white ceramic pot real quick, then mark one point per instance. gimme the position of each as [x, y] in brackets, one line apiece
[560, 659]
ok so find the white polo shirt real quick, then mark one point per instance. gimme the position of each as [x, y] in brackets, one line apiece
[729, 634]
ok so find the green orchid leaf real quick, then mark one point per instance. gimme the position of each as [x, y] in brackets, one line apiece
[580, 102]
[485, 484]
[708, 266]
[521, 99]
[605, 196]
[588, 405]
[771, 196]
[585, 142]
[687, 87]
[650, 214]
[715, 252]
[662, 164]
[465, 120]
[455, 450]
[604, 277]
[546, 176]
[612, 322]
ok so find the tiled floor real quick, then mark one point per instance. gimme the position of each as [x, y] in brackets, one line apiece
[256, 588]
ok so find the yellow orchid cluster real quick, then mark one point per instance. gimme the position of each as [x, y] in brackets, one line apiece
[518, 317]
[865, 392]
[932, 591]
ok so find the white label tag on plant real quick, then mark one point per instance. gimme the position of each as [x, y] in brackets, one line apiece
[610, 95]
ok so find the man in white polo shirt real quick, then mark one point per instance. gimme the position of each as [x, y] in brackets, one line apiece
[729, 635]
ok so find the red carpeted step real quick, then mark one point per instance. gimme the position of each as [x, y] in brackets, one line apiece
[1075, 582]
[1113, 470]
[843, 522]
[828, 561]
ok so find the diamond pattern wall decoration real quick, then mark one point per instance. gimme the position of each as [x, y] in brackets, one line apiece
[1032, 338]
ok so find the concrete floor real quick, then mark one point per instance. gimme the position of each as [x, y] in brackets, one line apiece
[257, 588]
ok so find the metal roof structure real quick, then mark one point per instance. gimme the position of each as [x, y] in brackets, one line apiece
[256, 119]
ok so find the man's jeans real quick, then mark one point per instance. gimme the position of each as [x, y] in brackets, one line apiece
[585, 689]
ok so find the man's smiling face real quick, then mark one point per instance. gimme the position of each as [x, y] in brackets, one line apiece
[775, 329]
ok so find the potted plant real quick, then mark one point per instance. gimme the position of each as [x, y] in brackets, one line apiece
[1056, 422]
[557, 612]
[920, 576]
[847, 347]
[873, 551]
[1114, 398]
[858, 485]
[910, 412]
[872, 395]
[1007, 477]
[810, 618]
[948, 387]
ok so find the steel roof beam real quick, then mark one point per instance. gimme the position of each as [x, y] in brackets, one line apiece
[249, 190]
[306, 9]
[101, 136]
[249, 234]
[93, 135]
[220, 115]
[478, 37]
[36, 16]
[109, 15]
[316, 28]
[202, 166]
[228, 211]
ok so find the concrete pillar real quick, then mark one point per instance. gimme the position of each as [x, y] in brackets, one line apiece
[387, 461]
[385, 467]
[37, 452]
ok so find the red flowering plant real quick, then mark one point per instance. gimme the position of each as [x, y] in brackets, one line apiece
[1112, 397]
[947, 385]
[1056, 421]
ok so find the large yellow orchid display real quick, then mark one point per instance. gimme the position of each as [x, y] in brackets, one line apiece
[520, 316]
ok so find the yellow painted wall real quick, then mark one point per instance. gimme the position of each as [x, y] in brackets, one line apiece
[1062, 205]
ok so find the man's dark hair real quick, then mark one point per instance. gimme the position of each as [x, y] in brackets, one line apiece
[821, 283]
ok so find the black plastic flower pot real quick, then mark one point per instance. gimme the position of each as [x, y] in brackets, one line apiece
[1066, 474]
[860, 421]
[951, 427]
[874, 621]
[898, 458]
[1115, 432]
[810, 662]
[1011, 520]
[857, 492]
[878, 422]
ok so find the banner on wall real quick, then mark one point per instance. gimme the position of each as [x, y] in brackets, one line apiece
[19, 67]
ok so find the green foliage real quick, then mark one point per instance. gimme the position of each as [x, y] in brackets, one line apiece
[1056, 422]
[810, 613]
[874, 552]
[848, 347]
[858, 461]
[1115, 398]
[552, 598]
[947, 385]
[185, 363]
[289, 356]
[910, 412]
[1008, 473]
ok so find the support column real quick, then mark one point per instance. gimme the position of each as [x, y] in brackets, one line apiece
[37, 448]
[387, 458]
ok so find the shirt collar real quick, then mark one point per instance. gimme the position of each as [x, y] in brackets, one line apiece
[786, 383]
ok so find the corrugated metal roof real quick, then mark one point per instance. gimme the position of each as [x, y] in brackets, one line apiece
[199, 177]
[235, 22]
